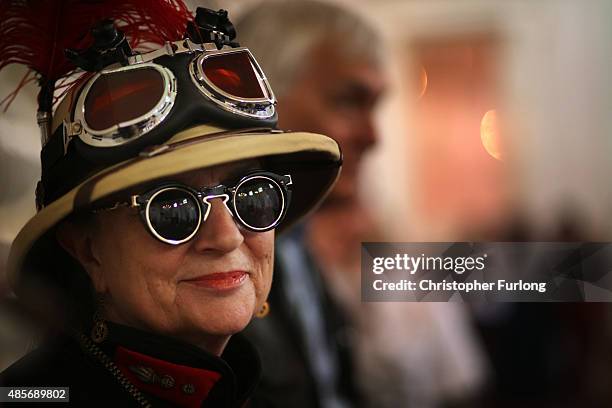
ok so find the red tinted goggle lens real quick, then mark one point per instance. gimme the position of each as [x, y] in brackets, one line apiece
[234, 74]
[122, 96]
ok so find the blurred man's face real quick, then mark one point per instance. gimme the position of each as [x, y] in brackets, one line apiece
[335, 96]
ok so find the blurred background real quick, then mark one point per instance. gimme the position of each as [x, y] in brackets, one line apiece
[496, 126]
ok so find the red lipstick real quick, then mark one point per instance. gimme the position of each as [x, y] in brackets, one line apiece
[220, 280]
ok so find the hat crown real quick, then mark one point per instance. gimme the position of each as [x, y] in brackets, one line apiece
[130, 103]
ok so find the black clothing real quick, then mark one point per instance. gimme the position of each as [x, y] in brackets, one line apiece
[167, 372]
[289, 378]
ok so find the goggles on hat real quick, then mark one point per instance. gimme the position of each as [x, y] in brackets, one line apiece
[121, 110]
[174, 212]
[119, 104]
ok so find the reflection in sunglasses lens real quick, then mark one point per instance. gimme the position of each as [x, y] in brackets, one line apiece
[174, 214]
[259, 203]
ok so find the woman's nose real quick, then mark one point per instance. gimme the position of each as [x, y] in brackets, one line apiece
[219, 232]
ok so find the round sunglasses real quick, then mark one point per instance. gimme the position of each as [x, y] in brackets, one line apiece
[174, 212]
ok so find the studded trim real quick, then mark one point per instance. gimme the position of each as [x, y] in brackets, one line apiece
[94, 351]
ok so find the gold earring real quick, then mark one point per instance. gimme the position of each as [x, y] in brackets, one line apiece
[99, 331]
[263, 311]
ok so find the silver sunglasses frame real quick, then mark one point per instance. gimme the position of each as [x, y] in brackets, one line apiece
[281, 213]
[148, 217]
[202, 199]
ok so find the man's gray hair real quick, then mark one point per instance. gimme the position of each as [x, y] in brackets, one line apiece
[282, 34]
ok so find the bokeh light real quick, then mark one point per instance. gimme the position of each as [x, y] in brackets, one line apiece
[490, 135]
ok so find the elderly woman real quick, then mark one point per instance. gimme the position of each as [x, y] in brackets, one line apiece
[163, 185]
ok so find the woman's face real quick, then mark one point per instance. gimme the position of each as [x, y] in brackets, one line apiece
[168, 288]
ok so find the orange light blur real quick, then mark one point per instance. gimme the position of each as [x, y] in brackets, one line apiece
[490, 135]
[422, 82]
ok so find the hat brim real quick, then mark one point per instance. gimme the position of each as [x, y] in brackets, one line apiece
[196, 148]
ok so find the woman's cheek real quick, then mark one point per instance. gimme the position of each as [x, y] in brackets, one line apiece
[266, 274]
[261, 251]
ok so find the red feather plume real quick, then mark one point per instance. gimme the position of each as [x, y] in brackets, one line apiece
[35, 33]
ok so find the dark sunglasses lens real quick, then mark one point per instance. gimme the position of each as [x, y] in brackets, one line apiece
[259, 203]
[174, 214]
[122, 96]
[234, 74]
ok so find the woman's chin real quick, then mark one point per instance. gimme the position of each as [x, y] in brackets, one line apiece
[219, 315]
[227, 326]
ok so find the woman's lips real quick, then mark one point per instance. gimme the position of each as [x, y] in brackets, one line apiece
[220, 280]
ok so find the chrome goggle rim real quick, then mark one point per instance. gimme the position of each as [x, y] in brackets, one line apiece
[260, 108]
[114, 135]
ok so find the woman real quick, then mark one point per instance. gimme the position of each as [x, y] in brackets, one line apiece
[163, 185]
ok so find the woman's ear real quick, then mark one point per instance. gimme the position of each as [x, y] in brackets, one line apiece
[79, 242]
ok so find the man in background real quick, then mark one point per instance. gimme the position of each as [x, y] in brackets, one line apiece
[324, 65]
[320, 345]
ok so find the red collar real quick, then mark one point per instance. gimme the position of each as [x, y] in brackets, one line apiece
[181, 385]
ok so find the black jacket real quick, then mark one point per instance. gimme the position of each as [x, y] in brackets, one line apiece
[165, 371]
[288, 379]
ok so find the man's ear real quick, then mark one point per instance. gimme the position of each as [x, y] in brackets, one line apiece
[79, 242]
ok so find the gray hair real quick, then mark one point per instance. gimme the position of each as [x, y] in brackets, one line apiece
[281, 34]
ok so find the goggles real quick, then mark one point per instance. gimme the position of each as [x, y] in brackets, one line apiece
[174, 212]
[123, 109]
